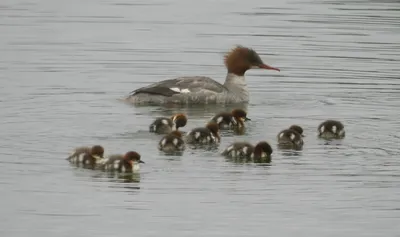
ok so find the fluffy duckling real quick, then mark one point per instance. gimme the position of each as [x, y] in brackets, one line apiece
[291, 138]
[226, 120]
[261, 150]
[172, 142]
[331, 129]
[165, 125]
[86, 155]
[128, 163]
[204, 135]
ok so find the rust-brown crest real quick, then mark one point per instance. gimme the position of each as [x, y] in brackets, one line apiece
[180, 120]
[240, 59]
[239, 113]
[132, 155]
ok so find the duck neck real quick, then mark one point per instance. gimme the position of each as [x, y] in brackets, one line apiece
[237, 84]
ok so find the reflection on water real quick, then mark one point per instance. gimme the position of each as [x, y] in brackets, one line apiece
[65, 65]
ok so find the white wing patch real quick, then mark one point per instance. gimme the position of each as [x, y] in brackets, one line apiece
[197, 135]
[175, 141]
[116, 164]
[334, 129]
[163, 142]
[322, 129]
[219, 119]
[245, 149]
[229, 148]
[164, 121]
[281, 135]
[292, 136]
[176, 89]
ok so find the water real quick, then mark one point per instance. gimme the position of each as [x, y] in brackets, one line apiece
[65, 64]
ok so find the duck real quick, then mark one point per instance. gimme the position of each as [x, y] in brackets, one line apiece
[235, 118]
[331, 129]
[172, 142]
[164, 125]
[261, 150]
[128, 163]
[204, 90]
[291, 138]
[87, 155]
[204, 135]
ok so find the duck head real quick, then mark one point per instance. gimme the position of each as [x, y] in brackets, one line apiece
[240, 59]
[97, 152]
[133, 157]
[240, 116]
[262, 150]
[214, 129]
[179, 120]
[298, 129]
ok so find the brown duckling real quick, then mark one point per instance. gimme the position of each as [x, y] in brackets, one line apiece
[291, 138]
[245, 150]
[163, 125]
[91, 159]
[79, 155]
[128, 163]
[172, 142]
[331, 129]
[204, 135]
[227, 120]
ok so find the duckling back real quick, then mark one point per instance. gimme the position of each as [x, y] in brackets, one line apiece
[161, 126]
[172, 142]
[239, 150]
[290, 139]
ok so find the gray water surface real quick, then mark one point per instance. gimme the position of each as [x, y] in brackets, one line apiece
[65, 64]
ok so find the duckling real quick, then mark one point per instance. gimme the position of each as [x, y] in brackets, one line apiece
[261, 150]
[291, 138]
[91, 159]
[204, 135]
[172, 142]
[128, 163]
[227, 120]
[95, 152]
[163, 125]
[331, 129]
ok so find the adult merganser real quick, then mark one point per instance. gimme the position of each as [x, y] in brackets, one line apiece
[86, 155]
[165, 125]
[204, 135]
[172, 143]
[246, 150]
[204, 90]
[130, 162]
[331, 129]
[291, 138]
[226, 120]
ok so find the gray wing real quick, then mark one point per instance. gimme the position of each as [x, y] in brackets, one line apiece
[181, 85]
